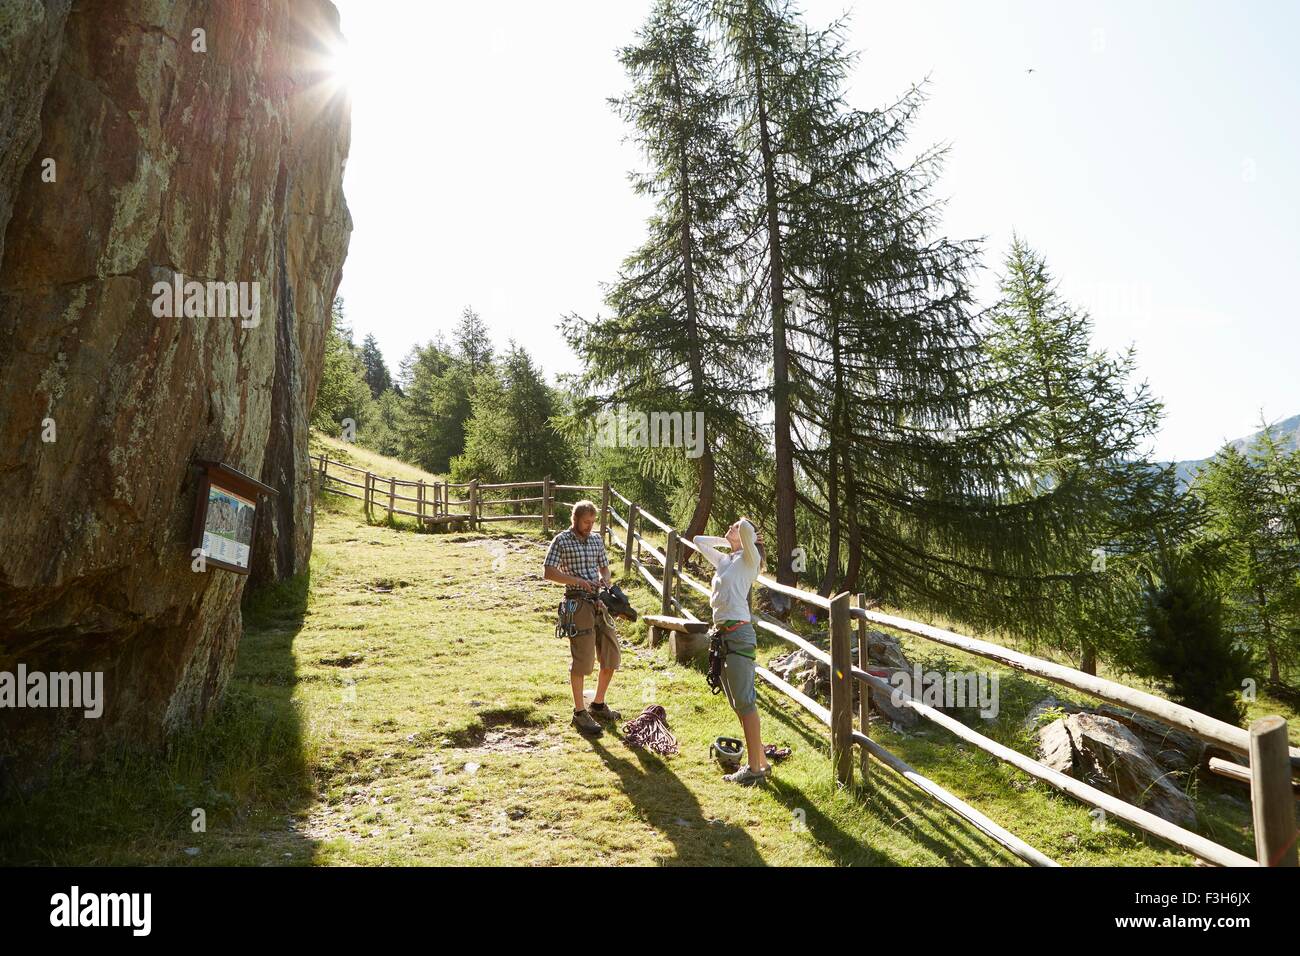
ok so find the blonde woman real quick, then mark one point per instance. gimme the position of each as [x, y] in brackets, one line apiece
[734, 575]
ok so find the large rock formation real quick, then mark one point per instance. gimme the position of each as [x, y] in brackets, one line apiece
[222, 164]
[1103, 752]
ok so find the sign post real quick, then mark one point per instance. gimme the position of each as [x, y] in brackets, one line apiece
[225, 510]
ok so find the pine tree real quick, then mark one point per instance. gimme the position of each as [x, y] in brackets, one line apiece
[879, 326]
[674, 341]
[438, 388]
[875, 392]
[779, 97]
[473, 343]
[1185, 647]
[1082, 430]
[342, 393]
[1251, 521]
[860, 302]
[510, 436]
[376, 371]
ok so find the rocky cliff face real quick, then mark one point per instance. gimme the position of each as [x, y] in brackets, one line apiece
[223, 164]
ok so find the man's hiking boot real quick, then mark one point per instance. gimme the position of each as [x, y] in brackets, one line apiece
[747, 777]
[603, 712]
[586, 723]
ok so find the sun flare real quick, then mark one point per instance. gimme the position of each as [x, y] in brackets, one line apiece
[336, 64]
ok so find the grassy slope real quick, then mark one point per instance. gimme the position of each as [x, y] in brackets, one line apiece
[352, 454]
[409, 704]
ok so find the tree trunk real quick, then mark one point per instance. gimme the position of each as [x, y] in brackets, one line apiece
[1088, 659]
[827, 586]
[705, 469]
[853, 572]
[836, 436]
[700, 518]
[785, 492]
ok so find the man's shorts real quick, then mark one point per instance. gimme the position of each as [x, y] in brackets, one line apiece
[738, 669]
[596, 640]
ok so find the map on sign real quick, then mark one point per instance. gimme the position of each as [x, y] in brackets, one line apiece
[228, 528]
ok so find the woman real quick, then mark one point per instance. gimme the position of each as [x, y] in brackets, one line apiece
[729, 598]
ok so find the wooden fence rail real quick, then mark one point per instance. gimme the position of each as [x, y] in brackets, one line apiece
[1269, 772]
[435, 506]
[1270, 776]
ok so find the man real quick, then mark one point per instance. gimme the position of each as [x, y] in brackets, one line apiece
[577, 560]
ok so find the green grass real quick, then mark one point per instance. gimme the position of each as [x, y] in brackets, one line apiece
[407, 703]
[358, 456]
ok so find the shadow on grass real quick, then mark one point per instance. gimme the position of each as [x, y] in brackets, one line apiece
[892, 802]
[670, 807]
[223, 793]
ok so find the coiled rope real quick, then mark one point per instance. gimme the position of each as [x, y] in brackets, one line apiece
[649, 729]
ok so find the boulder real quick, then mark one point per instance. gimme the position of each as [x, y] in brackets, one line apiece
[31, 35]
[884, 649]
[1104, 753]
[1056, 746]
[1048, 703]
[813, 677]
[1172, 749]
[883, 703]
[220, 165]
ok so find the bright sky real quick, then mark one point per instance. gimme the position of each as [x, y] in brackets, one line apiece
[1151, 156]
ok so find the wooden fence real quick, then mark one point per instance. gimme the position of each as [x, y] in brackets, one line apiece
[1271, 760]
[1265, 744]
[446, 502]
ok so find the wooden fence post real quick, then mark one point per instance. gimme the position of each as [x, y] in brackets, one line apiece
[548, 505]
[473, 504]
[419, 504]
[841, 690]
[366, 495]
[604, 515]
[670, 561]
[392, 491]
[1271, 802]
[631, 536]
[864, 691]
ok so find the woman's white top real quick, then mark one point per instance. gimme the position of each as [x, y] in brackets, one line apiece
[735, 574]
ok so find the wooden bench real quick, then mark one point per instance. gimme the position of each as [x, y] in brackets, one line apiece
[687, 637]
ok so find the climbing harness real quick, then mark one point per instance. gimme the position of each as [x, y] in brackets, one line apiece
[566, 624]
[718, 654]
[649, 729]
[615, 601]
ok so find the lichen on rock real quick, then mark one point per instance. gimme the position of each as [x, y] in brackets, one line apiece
[224, 165]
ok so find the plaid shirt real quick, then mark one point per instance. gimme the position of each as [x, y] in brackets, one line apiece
[572, 555]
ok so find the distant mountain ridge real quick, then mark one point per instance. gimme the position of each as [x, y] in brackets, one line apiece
[1286, 432]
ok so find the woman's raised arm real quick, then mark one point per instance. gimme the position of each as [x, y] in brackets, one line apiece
[708, 545]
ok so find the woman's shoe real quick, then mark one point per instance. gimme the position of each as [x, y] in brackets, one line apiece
[773, 752]
[747, 776]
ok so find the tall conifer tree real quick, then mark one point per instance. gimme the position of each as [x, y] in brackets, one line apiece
[676, 339]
